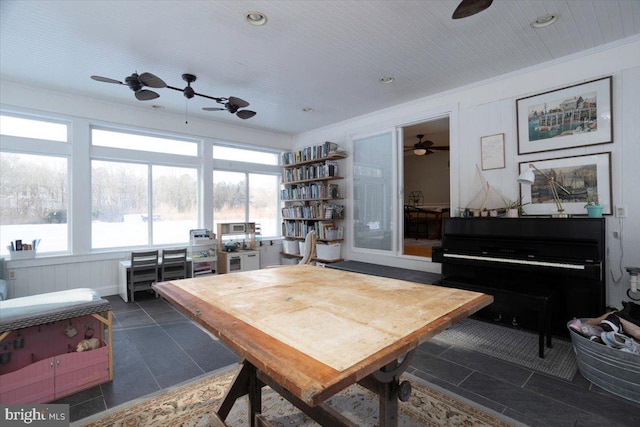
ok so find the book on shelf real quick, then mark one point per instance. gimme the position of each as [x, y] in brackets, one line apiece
[316, 152]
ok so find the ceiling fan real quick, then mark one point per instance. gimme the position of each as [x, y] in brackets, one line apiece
[136, 83]
[231, 104]
[424, 148]
[470, 7]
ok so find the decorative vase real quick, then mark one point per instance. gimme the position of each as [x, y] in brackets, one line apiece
[594, 211]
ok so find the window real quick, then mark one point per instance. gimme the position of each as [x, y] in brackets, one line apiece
[245, 188]
[142, 200]
[263, 202]
[251, 156]
[174, 203]
[140, 142]
[34, 190]
[229, 197]
[32, 128]
[132, 188]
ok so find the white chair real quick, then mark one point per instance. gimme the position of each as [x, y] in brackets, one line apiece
[309, 248]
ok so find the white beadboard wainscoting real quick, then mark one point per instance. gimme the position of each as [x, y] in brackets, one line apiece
[97, 271]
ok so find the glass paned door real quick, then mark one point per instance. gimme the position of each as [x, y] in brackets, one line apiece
[374, 192]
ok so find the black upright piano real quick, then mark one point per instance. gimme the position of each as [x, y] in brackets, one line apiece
[562, 259]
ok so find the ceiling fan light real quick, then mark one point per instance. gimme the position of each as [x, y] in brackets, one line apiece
[420, 151]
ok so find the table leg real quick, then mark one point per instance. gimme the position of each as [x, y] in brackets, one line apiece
[386, 383]
[246, 382]
[255, 397]
[388, 410]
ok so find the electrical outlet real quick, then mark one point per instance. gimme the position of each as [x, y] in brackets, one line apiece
[616, 235]
[621, 211]
[12, 274]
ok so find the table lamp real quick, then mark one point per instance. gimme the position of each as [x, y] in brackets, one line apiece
[528, 177]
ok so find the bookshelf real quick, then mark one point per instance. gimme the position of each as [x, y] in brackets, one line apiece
[310, 195]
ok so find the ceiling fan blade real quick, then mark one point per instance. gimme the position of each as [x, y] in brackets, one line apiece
[439, 148]
[237, 102]
[470, 7]
[212, 108]
[106, 80]
[245, 114]
[151, 80]
[146, 95]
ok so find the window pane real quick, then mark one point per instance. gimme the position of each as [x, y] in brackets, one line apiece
[28, 128]
[373, 192]
[251, 156]
[34, 201]
[132, 141]
[263, 203]
[175, 204]
[119, 196]
[229, 197]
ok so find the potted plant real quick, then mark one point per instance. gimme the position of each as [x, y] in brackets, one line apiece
[594, 208]
[514, 209]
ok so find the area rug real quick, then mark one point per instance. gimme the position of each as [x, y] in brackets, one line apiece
[191, 405]
[512, 345]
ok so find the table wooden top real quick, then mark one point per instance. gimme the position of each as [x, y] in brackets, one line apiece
[317, 330]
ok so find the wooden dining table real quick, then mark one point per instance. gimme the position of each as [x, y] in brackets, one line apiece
[309, 332]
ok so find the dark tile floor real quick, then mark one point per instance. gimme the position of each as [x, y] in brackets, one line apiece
[156, 347]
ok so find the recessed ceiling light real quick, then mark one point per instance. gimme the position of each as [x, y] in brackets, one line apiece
[157, 107]
[545, 20]
[307, 109]
[387, 79]
[256, 18]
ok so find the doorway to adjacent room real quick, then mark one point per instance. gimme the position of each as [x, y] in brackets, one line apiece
[426, 184]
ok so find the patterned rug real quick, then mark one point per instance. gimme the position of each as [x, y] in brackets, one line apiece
[512, 345]
[191, 405]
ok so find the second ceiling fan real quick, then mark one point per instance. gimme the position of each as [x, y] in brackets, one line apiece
[424, 148]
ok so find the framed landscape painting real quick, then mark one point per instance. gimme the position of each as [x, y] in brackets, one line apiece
[574, 116]
[585, 177]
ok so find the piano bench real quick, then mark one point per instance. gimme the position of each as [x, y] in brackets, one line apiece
[538, 299]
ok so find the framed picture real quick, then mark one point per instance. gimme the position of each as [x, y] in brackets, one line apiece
[584, 177]
[575, 116]
[492, 150]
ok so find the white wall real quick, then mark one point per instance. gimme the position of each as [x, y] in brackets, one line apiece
[489, 108]
[429, 174]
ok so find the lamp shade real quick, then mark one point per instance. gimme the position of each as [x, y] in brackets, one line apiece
[420, 151]
[527, 177]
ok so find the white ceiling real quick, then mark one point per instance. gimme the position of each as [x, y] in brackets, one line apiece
[327, 55]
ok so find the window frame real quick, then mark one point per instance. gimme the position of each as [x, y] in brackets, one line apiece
[80, 152]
